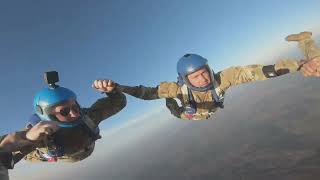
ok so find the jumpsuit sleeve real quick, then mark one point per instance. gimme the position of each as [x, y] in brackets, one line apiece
[164, 90]
[107, 106]
[244, 74]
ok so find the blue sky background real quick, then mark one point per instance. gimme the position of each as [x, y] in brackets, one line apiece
[132, 42]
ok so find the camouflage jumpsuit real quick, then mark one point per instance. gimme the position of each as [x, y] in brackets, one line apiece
[204, 101]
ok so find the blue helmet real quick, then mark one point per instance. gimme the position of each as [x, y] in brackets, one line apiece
[190, 63]
[45, 99]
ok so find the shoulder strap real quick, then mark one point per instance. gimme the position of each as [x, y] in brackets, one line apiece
[90, 125]
[217, 92]
[187, 96]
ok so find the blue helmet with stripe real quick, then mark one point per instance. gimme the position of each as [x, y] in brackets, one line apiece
[190, 63]
[47, 98]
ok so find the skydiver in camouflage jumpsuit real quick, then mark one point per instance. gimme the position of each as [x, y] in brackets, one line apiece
[201, 91]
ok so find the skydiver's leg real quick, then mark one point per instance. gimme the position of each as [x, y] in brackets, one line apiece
[306, 44]
[309, 48]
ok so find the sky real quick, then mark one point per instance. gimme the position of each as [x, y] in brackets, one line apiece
[133, 43]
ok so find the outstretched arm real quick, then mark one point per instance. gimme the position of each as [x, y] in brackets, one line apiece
[164, 90]
[107, 106]
[141, 92]
[244, 74]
